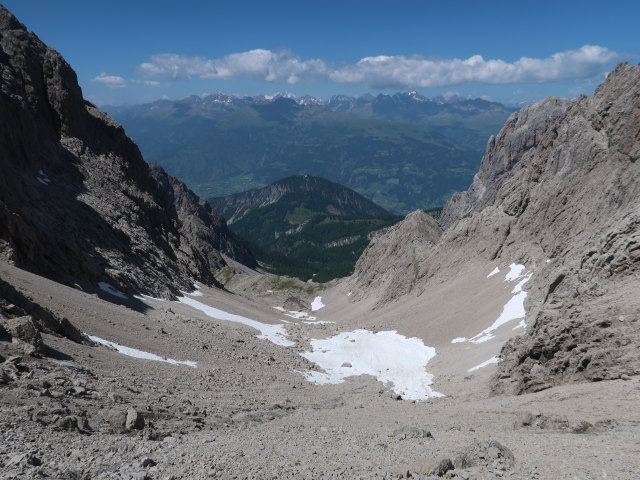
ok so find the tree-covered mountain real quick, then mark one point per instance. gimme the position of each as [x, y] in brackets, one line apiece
[305, 226]
[402, 151]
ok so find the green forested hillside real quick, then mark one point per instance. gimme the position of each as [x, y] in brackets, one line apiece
[305, 226]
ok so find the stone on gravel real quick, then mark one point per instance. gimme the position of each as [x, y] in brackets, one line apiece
[148, 462]
[134, 420]
[68, 423]
[486, 454]
[116, 417]
[411, 432]
[526, 419]
[443, 467]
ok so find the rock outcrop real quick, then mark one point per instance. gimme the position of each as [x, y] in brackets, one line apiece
[390, 266]
[22, 319]
[78, 204]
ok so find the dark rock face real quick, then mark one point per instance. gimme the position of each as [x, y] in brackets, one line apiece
[78, 204]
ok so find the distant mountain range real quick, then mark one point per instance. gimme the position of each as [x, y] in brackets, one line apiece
[305, 226]
[403, 151]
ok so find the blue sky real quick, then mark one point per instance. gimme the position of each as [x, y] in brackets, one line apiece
[137, 51]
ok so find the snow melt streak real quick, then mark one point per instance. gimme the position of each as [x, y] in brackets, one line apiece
[388, 356]
[494, 359]
[513, 309]
[133, 352]
[274, 333]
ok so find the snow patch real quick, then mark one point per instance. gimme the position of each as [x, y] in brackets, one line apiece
[295, 314]
[105, 287]
[274, 333]
[459, 340]
[512, 310]
[134, 352]
[349, 294]
[388, 356]
[494, 359]
[493, 272]
[319, 322]
[317, 304]
[148, 297]
[515, 272]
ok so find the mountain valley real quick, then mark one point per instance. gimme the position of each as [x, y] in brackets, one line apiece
[402, 151]
[140, 337]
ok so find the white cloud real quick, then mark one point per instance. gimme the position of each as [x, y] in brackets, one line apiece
[418, 71]
[413, 71]
[259, 64]
[111, 81]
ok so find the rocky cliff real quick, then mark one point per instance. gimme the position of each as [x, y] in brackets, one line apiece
[558, 190]
[78, 204]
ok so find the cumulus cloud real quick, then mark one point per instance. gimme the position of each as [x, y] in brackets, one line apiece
[259, 64]
[403, 71]
[111, 81]
[417, 71]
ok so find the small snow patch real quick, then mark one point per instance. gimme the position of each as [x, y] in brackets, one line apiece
[148, 297]
[349, 294]
[105, 287]
[513, 309]
[388, 356]
[494, 272]
[494, 359]
[459, 340]
[134, 352]
[274, 333]
[515, 272]
[295, 314]
[317, 304]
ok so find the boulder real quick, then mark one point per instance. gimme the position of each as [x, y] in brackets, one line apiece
[24, 329]
[492, 455]
[134, 420]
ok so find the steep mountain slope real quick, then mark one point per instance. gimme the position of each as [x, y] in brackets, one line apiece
[221, 145]
[78, 204]
[319, 194]
[305, 226]
[558, 191]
